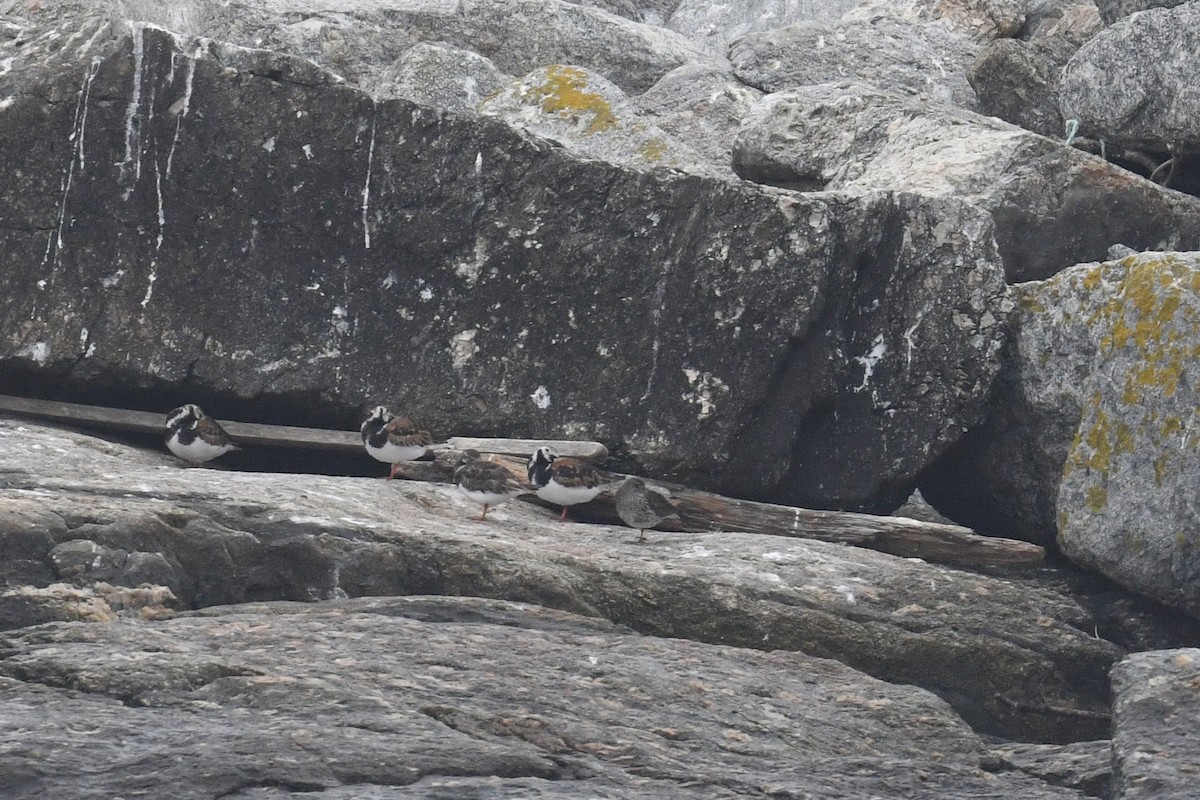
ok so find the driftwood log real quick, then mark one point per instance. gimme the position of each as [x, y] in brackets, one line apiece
[698, 511]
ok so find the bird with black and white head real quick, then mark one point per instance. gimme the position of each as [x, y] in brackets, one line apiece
[393, 439]
[195, 436]
[562, 480]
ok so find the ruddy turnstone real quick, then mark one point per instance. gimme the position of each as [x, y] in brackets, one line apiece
[393, 439]
[195, 436]
[562, 481]
[641, 507]
[485, 482]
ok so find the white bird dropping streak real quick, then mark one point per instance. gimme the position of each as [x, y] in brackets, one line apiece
[55, 240]
[132, 135]
[186, 105]
[366, 200]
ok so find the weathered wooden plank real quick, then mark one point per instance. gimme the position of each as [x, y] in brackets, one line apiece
[259, 435]
[699, 511]
[525, 447]
[244, 433]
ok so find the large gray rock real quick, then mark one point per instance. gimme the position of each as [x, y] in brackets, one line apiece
[1155, 715]
[428, 697]
[1053, 205]
[1003, 477]
[701, 106]
[884, 51]
[1113, 10]
[432, 74]
[1086, 437]
[998, 651]
[235, 224]
[1018, 81]
[979, 20]
[594, 119]
[1135, 84]
[359, 39]
[714, 25]
[1085, 766]
[1127, 501]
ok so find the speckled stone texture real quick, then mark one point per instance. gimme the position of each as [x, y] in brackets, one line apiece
[1128, 498]
[1156, 714]
[239, 224]
[982, 643]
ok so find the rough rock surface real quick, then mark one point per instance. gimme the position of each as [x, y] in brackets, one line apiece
[1087, 434]
[714, 25]
[978, 20]
[431, 74]
[456, 697]
[1086, 766]
[1155, 716]
[998, 651]
[1053, 205]
[1018, 81]
[1113, 10]
[701, 106]
[1135, 83]
[776, 333]
[593, 118]
[883, 51]
[1127, 501]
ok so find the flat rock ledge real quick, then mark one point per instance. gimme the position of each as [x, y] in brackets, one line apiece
[459, 697]
[1008, 655]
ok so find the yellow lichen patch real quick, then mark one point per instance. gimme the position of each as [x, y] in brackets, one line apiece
[1171, 425]
[565, 92]
[1029, 302]
[1092, 280]
[654, 149]
[1160, 469]
[1097, 498]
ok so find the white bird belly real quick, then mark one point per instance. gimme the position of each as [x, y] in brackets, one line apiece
[554, 492]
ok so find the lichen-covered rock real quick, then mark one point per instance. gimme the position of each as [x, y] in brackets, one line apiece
[714, 25]
[22, 606]
[1053, 205]
[1018, 81]
[884, 51]
[593, 118]
[1134, 84]
[727, 335]
[1155, 716]
[1078, 20]
[431, 74]
[1127, 502]
[978, 20]
[701, 106]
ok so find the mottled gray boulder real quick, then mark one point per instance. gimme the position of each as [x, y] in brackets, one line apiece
[701, 106]
[1075, 19]
[1085, 766]
[1135, 84]
[996, 650]
[715, 25]
[1086, 436]
[1113, 10]
[1003, 477]
[1155, 716]
[1053, 205]
[593, 118]
[444, 77]
[1127, 501]
[884, 51]
[360, 39]
[435, 697]
[979, 20]
[1018, 81]
[727, 335]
